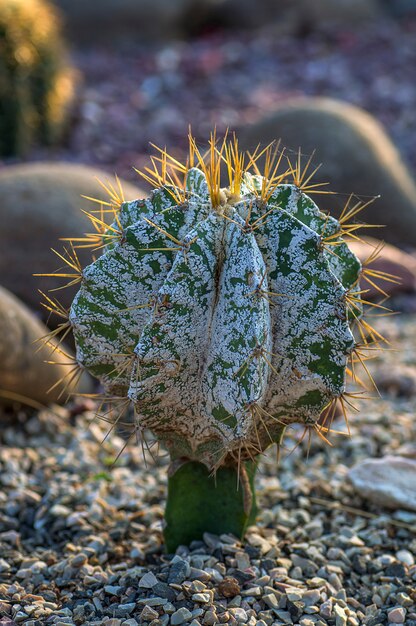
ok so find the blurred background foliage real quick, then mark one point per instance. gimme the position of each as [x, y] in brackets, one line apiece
[86, 86]
[151, 67]
[36, 80]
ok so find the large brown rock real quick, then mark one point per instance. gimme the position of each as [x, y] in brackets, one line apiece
[39, 204]
[23, 370]
[356, 155]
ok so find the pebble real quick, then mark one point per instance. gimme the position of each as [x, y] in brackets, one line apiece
[239, 614]
[310, 597]
[326, 609]
[202, 598]
[210, 618]
[229, 587]
[397, 615]
[178, 571]
[4, 566]
[406, 557]
[79, 560]
[148, 614]
[271, 601]
[340, 616]
[153, 601]
[395, 570]
[164, 591]
[181, 616]
[148, 580]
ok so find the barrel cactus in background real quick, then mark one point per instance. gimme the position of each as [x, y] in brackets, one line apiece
[224, 314]
[36, 81]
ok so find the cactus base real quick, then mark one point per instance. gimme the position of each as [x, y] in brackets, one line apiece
[198, 502]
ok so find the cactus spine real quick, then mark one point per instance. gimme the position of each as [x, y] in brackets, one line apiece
[223, 314]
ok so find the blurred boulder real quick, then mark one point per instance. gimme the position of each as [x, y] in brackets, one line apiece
[293, 16]
[397, 380]
[400, 8]
[166, 19]
[39, 203]
[143, 19]
[390, 260]
[388, 482]
[356, 155]
[23, 371]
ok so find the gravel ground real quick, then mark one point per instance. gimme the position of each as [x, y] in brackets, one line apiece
[137, 94]
[80, 537]
[81, 542]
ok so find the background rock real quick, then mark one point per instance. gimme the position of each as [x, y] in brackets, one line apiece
[23, 370]
[398, 381]
[400, 8]
[391, 260]
[389, 481]
[39, 203]
[356, 155]
[295, 16]
[147, 19]
[167, 19]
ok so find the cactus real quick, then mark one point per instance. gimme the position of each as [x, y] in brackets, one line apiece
[36, 82]
[224, 315]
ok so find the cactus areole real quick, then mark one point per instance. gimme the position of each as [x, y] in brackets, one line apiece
[224, 314]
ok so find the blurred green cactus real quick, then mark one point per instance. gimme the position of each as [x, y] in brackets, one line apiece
[224, 314]
[36, 82]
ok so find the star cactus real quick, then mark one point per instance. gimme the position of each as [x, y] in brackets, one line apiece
[223, 314]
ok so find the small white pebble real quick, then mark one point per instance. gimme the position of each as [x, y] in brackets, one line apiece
[406, 557]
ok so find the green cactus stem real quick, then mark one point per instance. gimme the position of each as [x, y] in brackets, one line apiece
[224, 314]
[198, 502]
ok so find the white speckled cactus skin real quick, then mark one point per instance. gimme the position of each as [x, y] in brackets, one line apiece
[221, 323]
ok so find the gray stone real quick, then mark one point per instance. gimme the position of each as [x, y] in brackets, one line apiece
[178, 571]
[405, 557]
[164, 591]
[148, 580]
[388, 481]
[181, 616]
[4, 566]
[79, 560]
[125, 609]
